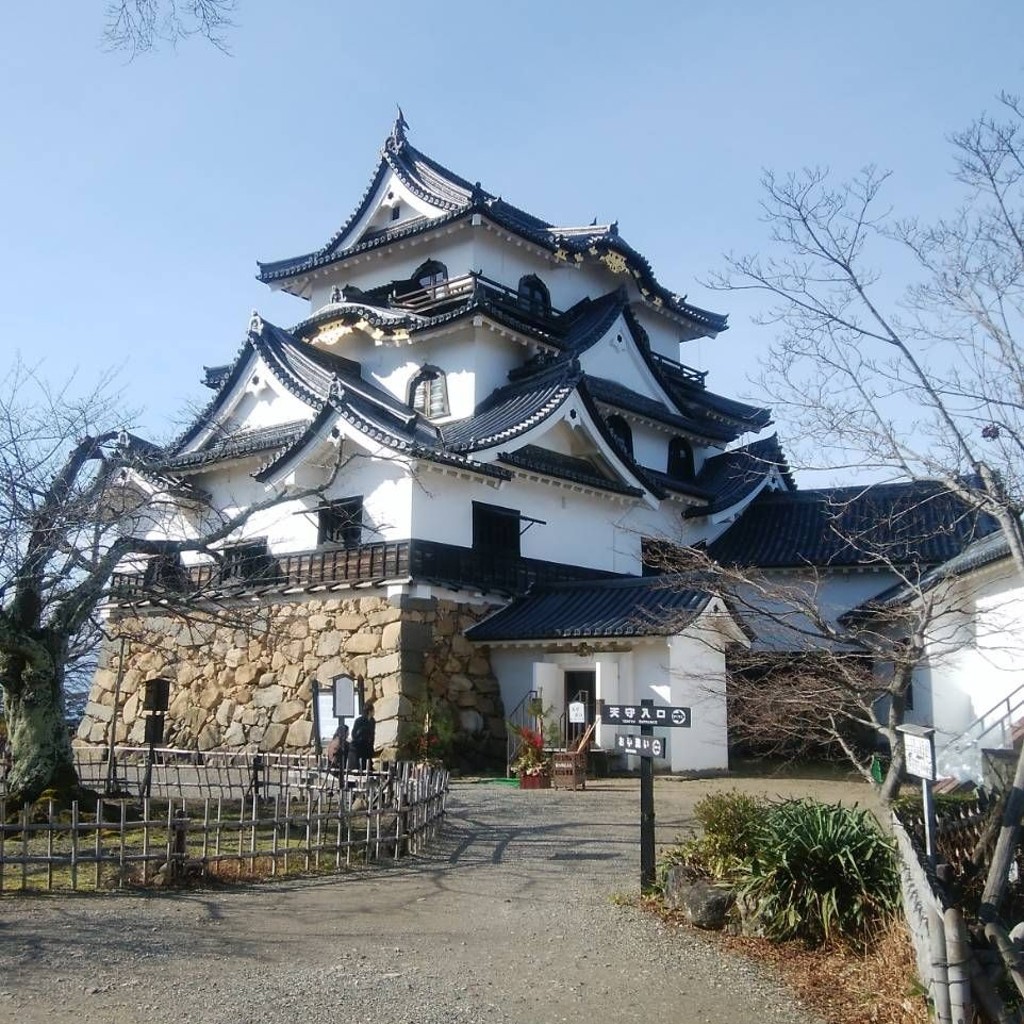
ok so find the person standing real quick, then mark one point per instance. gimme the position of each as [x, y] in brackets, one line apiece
[337, 749]
[361, 739]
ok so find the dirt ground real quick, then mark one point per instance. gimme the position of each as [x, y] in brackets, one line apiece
[518, 915]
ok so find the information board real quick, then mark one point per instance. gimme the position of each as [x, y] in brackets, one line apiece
[639, 714]
[920, 756]
[645, 746]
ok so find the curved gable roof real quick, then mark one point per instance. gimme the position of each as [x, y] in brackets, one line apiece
[457, 197]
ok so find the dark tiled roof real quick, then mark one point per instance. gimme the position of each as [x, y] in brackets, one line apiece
[612, 393]
[734, 475]
[565, 467]
[240, 445]
[453, 194]
[332, 387]
[648, 606]
[696, 400]
[914, 523]
[513, 409]
[978, 554]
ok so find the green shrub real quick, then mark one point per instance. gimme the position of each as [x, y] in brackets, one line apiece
[728, 821]
[819, 872]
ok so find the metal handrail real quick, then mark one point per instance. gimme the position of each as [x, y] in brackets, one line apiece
[518, 718]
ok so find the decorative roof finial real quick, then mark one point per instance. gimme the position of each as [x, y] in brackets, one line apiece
[123, 439]
[334, 390]
[335, 294]
[255, 323]
[398, 129]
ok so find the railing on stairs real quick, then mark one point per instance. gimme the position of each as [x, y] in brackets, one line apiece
[522, 716]
[569, 733]
[960, 758]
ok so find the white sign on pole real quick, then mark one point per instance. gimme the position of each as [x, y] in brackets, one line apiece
[325, 707]
[344, 697]
[920, 756]
[577, 713]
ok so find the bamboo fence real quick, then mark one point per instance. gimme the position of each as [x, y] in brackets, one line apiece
[182, 840]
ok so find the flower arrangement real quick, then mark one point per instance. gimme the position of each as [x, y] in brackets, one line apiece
[531, 759]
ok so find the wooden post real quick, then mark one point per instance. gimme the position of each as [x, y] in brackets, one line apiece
[958, 967]
[646, 811]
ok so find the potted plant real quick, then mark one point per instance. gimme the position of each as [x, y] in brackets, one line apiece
[531, 764]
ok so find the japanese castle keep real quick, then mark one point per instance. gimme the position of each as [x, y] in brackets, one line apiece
[492, 422]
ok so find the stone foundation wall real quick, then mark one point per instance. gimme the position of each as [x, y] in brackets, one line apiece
[241, 678]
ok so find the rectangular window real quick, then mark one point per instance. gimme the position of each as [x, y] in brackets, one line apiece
[495, 529]
[341, 523]
[247, 561]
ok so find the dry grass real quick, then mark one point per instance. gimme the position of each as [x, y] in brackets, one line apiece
[845, 987]
[838, 984]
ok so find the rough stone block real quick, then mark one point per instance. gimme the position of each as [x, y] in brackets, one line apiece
[101, 712]
[268, 696]
[234, 736]
[349, 622]
[386, 666]
[289, 710]
[365, 642]
[384, 616]
[299, 733]
[209, 737]
[328, 645]
[226, 712]
[273, 736]
[471, 721]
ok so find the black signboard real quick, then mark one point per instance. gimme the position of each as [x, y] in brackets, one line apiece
[640, 714]
[645, 746]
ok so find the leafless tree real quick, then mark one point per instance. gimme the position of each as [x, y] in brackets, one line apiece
[927, 381]
[813, 680]
[78, 496]
[138, 26]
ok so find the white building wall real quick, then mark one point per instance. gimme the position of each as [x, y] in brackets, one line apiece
[577, 528]
[974, 666]
[396, 263]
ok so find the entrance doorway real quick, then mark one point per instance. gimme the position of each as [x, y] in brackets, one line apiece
[580, 685]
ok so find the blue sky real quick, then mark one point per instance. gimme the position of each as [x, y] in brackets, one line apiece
[136, 197]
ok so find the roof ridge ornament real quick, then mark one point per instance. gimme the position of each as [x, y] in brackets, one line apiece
[255, 323]
[398, 130]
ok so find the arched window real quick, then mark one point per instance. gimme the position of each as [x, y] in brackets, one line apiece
[431, 275]
[533, 295]
[620, 428]
[680, 459]
[428, 392]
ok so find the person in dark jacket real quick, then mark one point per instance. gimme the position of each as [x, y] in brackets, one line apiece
[361, 739]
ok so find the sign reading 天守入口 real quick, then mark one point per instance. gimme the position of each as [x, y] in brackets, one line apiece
[639, 714]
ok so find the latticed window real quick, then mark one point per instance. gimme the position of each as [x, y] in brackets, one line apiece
[341, 522]
[245, 562]
[680, 459]
[533, 295]
[432, 275]
[428, 392]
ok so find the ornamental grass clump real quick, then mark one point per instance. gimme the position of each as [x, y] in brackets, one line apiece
[819, 873]
[727, 821]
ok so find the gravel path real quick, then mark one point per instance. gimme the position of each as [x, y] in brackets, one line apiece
[511, 919]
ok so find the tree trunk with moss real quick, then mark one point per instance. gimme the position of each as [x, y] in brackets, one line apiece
[32, 673]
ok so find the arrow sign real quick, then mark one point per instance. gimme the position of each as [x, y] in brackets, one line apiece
[645, 746]
[638, 714]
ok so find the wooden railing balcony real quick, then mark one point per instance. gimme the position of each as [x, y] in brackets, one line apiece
[428, 561]
[437, 297]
